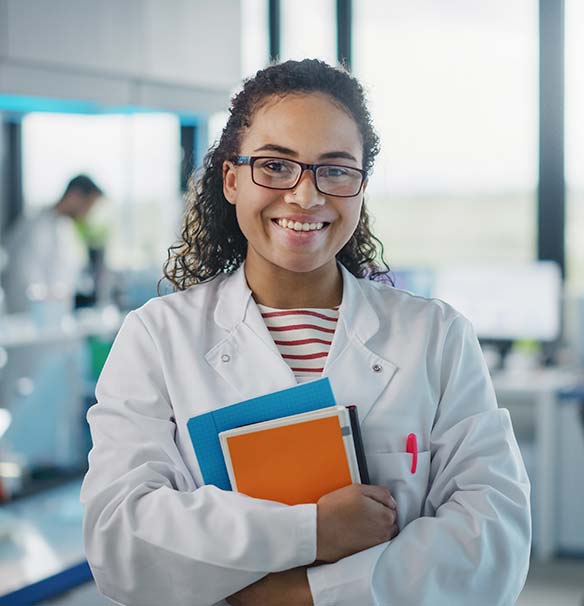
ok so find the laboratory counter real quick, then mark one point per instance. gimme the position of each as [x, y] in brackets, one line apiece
[41, 546]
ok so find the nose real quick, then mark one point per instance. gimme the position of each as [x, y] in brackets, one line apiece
[305, 193]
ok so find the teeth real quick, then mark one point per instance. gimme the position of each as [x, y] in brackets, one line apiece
[297, 226]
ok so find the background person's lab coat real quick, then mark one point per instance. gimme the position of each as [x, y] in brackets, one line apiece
[46, 256]
[154, 534]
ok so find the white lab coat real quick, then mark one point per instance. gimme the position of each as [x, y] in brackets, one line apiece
[46, 251]
[156, 535]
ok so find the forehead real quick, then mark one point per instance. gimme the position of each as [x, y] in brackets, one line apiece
[310, 124]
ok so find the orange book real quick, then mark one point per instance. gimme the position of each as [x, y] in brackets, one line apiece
[294, 459]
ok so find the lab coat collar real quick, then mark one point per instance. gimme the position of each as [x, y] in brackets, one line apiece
[357, 373]
[236, 304]
[234, 297]
[249, 360]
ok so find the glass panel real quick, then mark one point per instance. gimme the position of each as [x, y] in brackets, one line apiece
[454, 93]
[135, 159]
[215, 126]
[255, 45]
[309, 30]
[575, 144]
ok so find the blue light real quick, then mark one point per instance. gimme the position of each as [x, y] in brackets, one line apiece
[22, 104]
[190, 119]
[131, 109]
[25, 104]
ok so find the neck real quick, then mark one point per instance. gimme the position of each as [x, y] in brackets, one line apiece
[276, 287]
[62, 208]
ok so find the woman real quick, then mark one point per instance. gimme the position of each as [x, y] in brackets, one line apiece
[276, 238]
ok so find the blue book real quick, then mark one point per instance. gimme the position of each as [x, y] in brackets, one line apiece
[204, 429]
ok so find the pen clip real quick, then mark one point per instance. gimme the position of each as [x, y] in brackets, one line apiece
[412, 448]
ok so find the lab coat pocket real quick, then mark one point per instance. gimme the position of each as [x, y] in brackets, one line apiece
[394, 470]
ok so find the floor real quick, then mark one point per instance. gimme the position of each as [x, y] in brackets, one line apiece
[559, 583]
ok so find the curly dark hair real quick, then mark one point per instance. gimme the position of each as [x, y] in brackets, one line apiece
[211, 241]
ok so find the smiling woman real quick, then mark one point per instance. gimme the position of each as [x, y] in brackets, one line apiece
[275, 285]
[310, 127]
[213, 238]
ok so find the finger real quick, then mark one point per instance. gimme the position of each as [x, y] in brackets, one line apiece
[380, 494]
[390, 518]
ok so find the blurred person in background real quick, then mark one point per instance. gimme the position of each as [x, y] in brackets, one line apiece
[48, 252]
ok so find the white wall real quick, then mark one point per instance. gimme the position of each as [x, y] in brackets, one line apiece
[180, 55]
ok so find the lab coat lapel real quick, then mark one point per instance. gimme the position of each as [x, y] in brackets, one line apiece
[248, 359]
[358, 375]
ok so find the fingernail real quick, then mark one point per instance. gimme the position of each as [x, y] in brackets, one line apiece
[393, 502]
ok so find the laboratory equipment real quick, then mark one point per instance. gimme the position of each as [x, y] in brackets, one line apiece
[506, 302]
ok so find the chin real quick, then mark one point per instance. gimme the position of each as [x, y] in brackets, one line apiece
[300, 266]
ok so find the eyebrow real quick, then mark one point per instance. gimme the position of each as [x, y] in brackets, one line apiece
[290, 152]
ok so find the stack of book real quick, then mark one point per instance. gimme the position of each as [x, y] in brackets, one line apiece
[292, 446]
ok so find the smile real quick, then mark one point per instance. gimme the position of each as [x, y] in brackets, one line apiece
[297, 226]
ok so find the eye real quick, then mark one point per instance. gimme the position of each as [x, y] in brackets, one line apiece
[335, 172]
[276, 167]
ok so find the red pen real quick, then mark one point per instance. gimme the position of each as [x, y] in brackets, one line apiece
[412, 448]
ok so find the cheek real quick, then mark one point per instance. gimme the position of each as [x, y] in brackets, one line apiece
[351, 217]
[250, 208]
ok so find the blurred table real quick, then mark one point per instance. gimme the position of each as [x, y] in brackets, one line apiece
[542, 390]
[41, 546]
[41, 543]
[47, 373]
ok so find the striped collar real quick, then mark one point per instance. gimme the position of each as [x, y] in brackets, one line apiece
[236, 305]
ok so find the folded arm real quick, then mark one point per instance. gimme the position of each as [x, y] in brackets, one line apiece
[150, 532]
[472, 543]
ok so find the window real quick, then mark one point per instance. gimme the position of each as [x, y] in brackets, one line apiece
[575, 144]
[255, 45]
[255, 55]
[309, 30]
[454, 94]
[134, 158]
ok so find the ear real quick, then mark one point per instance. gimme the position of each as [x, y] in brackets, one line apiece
[229, 182]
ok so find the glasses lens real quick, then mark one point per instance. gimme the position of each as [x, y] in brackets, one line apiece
[275, 172]
[339, 180]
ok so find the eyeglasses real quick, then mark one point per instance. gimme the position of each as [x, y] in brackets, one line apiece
[281, 173]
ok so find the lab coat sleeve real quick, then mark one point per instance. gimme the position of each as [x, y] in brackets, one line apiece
[152, 537]
[472, 543]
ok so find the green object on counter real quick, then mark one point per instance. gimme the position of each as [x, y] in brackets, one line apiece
[99, 350]
[526, 346]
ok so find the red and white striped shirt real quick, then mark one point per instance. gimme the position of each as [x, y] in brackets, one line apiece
[303, 337]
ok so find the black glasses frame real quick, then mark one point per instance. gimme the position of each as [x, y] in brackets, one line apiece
[251, 160]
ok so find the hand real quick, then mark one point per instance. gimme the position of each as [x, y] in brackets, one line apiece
[352, 519]
[287, 588]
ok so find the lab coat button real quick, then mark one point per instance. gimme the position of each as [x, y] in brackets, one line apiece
[377, 368]
[225, 358]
